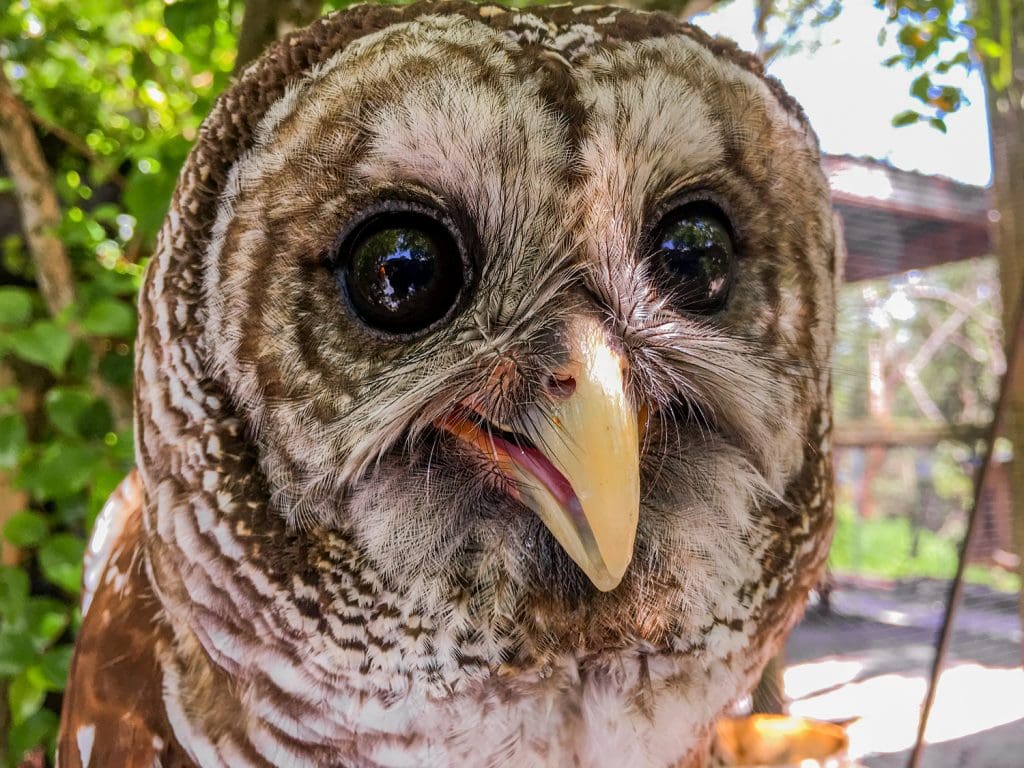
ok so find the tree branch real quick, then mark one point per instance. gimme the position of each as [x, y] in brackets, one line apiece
[75, 143]
[37, 200]
[267, 20]
[693, 7]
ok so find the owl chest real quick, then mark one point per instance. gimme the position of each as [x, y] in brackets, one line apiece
[614, 717]
[592, 724]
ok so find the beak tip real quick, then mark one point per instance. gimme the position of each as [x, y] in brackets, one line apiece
[607, 586]
[603, 579]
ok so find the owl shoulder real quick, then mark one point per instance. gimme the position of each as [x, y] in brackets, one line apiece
[113, 712]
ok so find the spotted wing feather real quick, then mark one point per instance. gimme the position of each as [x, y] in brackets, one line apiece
[113, 713]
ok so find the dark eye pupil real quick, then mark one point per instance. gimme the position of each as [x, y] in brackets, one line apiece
[695, 258]
[396, 266]
[402, 271]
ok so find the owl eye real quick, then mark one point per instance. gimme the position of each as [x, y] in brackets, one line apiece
[694, 257]
[402, 271]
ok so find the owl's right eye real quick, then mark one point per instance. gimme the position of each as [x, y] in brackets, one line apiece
[402, 271]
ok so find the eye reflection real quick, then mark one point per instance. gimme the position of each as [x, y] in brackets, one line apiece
[695, 257]
[395, 266]
[402, 271]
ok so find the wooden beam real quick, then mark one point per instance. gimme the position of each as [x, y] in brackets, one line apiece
[905, 435]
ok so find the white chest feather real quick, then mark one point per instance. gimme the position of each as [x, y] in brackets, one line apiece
[621, 710]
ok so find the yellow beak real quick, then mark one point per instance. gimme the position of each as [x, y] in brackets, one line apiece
[591, 438]
[582, 478]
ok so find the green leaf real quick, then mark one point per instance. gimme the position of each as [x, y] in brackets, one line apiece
[14, 588]
[185, 15]
[96, 420]
[24, 697]
[79, 362]
[113, 283]
[63, 468]
[69, 510]
[118, 369]
[55, 666]
[105, 212]
[16, 653]
[35, 730]
[9, 397]
[45, 621]
[26, 529]
[13, 438]
[104, 480]
[962, 58]
[948, 99]
[60, 559]
[147, 196]
[989, 48]
[920, 86]
[44, 343]
[64, 406]
[908, 117]
[76, 412]
[15, 307]
[109, 317]
[938, 124]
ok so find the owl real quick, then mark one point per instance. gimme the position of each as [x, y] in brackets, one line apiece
[482, 404]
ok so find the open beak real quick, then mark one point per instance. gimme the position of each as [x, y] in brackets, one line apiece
[578, 467]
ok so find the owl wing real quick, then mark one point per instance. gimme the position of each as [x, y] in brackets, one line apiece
[113, 713]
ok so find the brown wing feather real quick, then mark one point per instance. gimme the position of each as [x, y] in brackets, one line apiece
[113, 711]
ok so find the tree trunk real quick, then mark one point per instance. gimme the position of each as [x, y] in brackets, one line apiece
[1006, 126]
[267, 20]
[37, 200]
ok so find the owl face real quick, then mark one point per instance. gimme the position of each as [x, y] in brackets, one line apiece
[534, 313]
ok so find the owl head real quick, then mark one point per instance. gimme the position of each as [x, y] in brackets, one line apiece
[521, 319]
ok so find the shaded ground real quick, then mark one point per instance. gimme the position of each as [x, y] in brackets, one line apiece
[871, 657]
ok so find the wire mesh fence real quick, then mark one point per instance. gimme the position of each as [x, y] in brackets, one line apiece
[917, 370]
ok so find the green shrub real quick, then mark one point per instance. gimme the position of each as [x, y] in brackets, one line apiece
[117, 92]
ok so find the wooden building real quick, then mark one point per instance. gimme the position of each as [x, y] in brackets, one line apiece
[895, 221]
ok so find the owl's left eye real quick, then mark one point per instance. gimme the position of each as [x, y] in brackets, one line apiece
[402, 271]
[694, 257]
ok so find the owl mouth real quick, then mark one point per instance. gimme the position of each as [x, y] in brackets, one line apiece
[576, 464]
[493, 430]
[508, 449]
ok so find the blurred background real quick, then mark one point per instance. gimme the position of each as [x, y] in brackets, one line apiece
[915, 103]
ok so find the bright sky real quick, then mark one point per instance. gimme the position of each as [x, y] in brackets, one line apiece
[851, 98]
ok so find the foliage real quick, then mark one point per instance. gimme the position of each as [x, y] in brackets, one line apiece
[118, 92]
[918, 349]
[935, 37]
[885, 547]
[778, 22]
[938, 36]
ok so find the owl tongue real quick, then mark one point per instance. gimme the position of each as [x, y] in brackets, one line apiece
[511, 448]
[537, 464]
[538, 482]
